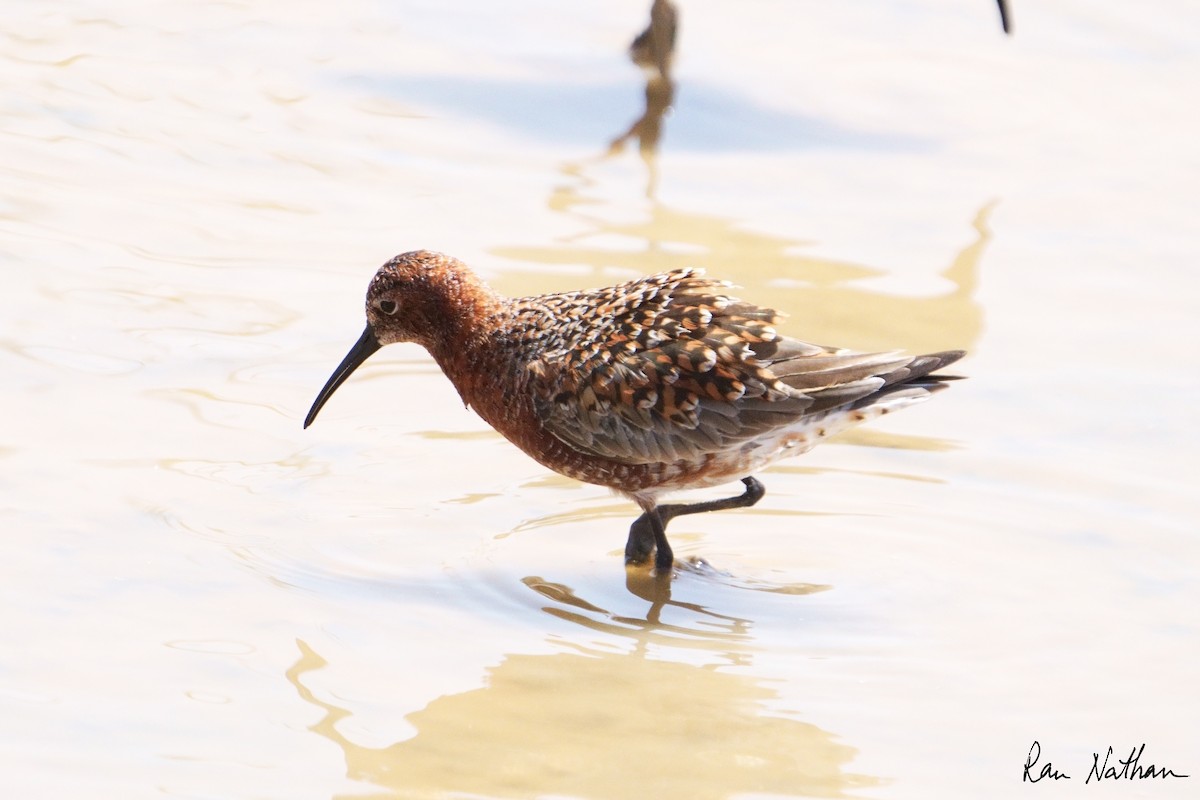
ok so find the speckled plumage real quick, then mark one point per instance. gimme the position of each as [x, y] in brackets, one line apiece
[657, 384]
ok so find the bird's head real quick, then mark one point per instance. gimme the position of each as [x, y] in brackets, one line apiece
[424, 297]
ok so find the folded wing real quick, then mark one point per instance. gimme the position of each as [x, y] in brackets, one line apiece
[677, 370]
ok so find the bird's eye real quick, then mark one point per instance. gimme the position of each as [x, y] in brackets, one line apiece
[387, 306]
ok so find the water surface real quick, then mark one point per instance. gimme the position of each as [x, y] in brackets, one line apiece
[203, 600]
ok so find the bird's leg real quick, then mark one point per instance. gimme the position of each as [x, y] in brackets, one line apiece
[663, 557]
[643, 536]
[650, 529]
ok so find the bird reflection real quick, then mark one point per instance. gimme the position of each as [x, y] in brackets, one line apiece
[584, 724]
[696, 624]
[650, 586]
[653, 50]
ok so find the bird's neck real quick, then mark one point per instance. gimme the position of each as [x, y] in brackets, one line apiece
[472, 348]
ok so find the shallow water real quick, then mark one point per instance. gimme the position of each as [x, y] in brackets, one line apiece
[203, 600]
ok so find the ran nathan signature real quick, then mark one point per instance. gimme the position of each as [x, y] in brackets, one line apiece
[1130, 768]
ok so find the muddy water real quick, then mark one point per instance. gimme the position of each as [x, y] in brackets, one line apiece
[203, 600]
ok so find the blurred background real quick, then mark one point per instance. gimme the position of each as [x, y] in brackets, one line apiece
[202, 600]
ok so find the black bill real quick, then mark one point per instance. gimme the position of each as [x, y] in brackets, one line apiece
[362, 350]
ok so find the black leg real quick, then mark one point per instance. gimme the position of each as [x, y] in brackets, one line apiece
[640, 544]
[663, 557]
[649, 531]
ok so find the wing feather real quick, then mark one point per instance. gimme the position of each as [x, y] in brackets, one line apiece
[669, 368]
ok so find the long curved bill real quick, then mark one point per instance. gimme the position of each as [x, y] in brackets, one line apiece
[362, 350]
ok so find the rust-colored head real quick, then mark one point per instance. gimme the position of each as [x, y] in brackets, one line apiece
[421, 297]
[424, 297]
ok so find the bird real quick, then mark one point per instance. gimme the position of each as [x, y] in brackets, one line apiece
[655, 385]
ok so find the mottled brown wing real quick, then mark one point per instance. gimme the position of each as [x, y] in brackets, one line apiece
[672, 369]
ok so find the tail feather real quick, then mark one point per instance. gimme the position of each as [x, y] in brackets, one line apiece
[922, 366]
[896, 387]
[911, 383]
